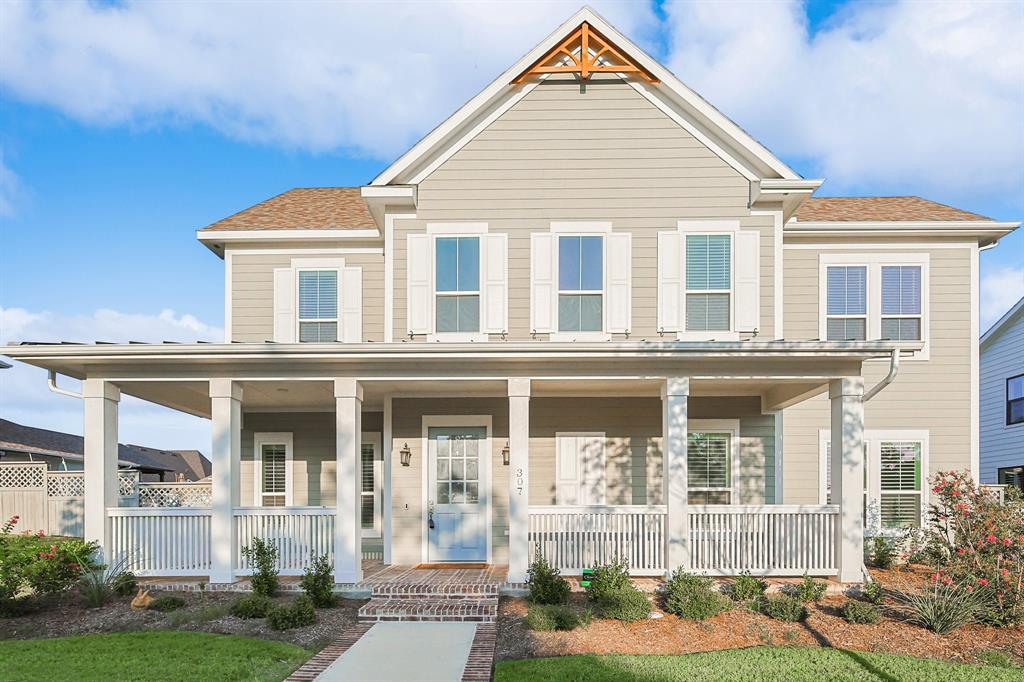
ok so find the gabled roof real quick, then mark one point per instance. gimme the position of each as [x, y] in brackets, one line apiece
[712, 127]
[880, 209]
[1003, 322]
[306, 208]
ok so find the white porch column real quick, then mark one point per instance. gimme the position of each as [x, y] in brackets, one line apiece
[674, 396]
[348, 551]
[225, 460]
[847, 396]
[518, 479]
[100, 400]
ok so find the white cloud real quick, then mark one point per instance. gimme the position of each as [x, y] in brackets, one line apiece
[906, 97]
[25, 398]
[367, 76]
[1001, 288]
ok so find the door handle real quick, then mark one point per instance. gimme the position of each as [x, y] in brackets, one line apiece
[430, 514]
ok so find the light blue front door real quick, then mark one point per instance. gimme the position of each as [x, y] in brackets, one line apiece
[457, 494]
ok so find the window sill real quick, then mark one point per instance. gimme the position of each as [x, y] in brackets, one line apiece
[457, 337]
[579, 336]
[708, 336]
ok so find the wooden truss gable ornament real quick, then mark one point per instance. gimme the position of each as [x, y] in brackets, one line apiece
[584, 53]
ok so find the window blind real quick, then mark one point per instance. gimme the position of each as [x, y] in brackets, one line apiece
[846, 303]
[901, 302]
[318, 306]
[368, 488]
[708, 269]
[900, 472]
[707, 460]
[274, 465]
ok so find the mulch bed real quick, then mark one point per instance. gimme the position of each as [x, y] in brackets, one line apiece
[66, 615]
[742, 628]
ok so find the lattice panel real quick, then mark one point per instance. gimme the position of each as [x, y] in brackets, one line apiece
[126, 484]
[175, 495]
[65, 485]
[22, 475]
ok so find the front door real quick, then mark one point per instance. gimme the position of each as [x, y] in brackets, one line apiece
[457, 494]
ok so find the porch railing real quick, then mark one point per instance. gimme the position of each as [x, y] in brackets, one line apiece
[765, 540]
[161, 540]
[299, 533]
[574, 538]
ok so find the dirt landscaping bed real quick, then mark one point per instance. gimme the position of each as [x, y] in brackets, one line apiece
[825, 627]
[64, 615]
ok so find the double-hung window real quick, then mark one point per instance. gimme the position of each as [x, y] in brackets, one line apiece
[273, 458]
[318, 306]
[709, 467]
[1015, 400]
[900, 484]
[847, 303]
[580, 283]
[457, 284]
[901, 302]
[708, 282]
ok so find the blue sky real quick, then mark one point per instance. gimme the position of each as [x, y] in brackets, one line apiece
[126, 127]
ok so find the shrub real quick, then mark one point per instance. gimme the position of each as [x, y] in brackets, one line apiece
[974, 540]
[627, 604]
[168, 602]
[782, 607]
[873, 592]
[36, 563]
[608, 579]
[944, 607]
[809, 589]
[98, 584]
[124, 584]
[556, 617]
[692, 597]
[546, 584]
[882, 553]
[262, 556]
[747, 587]
[252, 606]
[860, 612]
[299, 614]
[318, 583]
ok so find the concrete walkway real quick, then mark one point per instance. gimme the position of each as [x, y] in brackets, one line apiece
[427, 652]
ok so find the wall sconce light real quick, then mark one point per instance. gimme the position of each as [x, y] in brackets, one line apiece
[405, 454]
[505, 453]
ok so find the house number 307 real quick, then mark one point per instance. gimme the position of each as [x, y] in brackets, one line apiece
[520, 481]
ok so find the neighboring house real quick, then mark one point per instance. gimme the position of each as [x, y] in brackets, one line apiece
[1002, 400]
[586, 315]
[63, 452]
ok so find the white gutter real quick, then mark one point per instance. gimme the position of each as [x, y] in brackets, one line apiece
[52, 383]
[894, 368]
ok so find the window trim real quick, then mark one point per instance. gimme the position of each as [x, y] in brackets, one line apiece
[708, 227]
[374, 438]
[600, 229]
[732, 427]
[1007, 400]
[874, 263]
[874, 440]
[273, 438]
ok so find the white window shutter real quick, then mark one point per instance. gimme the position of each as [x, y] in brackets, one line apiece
[419, 312]
[351, 305]
[670, 281]
[747, 280]
[494, 283]
[620, 278]
[543, 282]
[284, 305]
[567, 471]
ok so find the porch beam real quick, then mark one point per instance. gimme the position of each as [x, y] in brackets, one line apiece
[847, 397]
[781, 396]
[348, 551]
[674, 399]
[100, 400]
[225, 471]
[518, 479]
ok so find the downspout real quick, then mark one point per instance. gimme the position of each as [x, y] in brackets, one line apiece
[894, 368]
[51, 382]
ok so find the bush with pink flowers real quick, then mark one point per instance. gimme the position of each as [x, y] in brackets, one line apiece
[34, 564]
[977, 543]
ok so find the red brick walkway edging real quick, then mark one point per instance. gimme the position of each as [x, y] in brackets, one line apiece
[329, 654]
[480, 664]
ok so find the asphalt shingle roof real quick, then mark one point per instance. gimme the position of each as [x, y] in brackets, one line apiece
[307, 208]
[879, 209]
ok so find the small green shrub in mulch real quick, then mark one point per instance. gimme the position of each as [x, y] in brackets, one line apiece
[124, 584]
[262, 556]
[556, 617]
[318, 583]
[809, 590]
[608, 579]
[168, 602]
[252, 606]
[882, 552]
[860, 613]
[627, 604]
[873, 592]
[693, 597]
[546, 584]
[299, 614]
[943, 608]
[782, 607]
[747, 587]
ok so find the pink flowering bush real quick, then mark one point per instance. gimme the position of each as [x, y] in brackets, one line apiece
[977, 545]
[34, 563]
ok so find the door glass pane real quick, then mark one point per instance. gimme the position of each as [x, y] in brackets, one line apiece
[457, 457]
[442, 469]
[472, 492]
[458, 469]
[471, 470]
[443, 446]
[442, 492]
[458, 493]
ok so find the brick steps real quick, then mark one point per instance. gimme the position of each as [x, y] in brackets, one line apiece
[380, 609]
[428, 591]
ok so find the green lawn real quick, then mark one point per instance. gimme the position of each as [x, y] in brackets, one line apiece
[789, 664]
[163, 656]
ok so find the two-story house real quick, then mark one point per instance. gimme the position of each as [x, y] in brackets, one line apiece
[587, 315]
